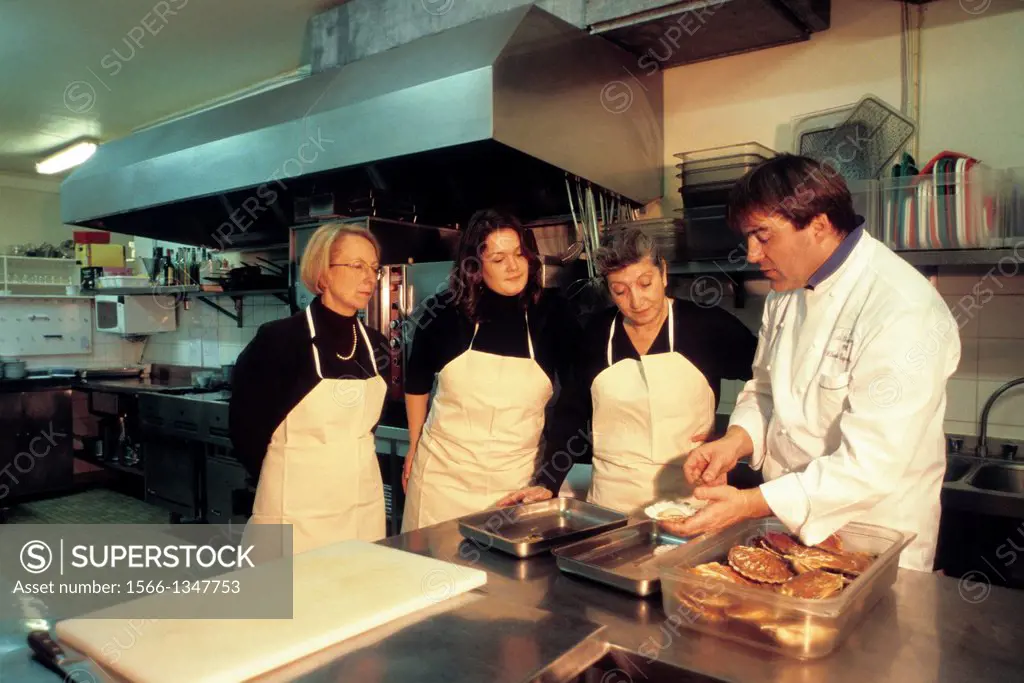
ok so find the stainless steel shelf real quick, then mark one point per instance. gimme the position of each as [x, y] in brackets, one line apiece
[174, 289]
[963, 257]
[711, 268]
[185, 289]
[1009, 260]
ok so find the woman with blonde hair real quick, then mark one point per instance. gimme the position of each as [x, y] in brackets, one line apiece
[307, 394]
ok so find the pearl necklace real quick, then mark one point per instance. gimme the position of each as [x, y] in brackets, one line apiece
[355, 338]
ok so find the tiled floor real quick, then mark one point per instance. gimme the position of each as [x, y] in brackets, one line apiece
[95, 506]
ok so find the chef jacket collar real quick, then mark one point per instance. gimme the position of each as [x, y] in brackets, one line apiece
[838, 257]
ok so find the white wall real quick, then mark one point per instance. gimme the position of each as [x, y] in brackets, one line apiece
[207, 338]
[972, 101]
[30, 214]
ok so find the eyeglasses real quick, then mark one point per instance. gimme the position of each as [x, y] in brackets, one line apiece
[377, 272]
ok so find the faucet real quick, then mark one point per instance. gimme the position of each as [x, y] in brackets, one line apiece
[982, 449]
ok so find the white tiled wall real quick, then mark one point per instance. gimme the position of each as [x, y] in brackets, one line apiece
[989, 308]
[108, 350]
[207, 338]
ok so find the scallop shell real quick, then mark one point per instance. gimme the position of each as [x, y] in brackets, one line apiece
[814, 585]
[683, 508]
[760, 565]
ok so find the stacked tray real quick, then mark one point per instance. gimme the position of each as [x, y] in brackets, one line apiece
[707, 175]
[536, 528]
[628, 559]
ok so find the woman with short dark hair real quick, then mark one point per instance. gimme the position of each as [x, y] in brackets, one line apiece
[653, 366]
[497, 343]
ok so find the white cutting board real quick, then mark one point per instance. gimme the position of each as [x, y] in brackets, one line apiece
[339, 592]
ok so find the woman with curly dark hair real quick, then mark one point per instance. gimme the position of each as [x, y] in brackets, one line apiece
[497, 343]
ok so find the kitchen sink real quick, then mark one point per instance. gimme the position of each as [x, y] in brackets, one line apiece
[955, 469]
[1005, 478]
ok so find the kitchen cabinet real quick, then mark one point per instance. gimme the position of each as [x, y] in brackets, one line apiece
[223, 477]
[36, 454]
[172, 454]
[172, 467]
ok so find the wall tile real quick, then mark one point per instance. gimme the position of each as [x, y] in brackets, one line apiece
[194, 352]
[957, 427]
[1007, 432]
[1008, 408]
[230, 334]
[968, 367]
[1003, 317]
[1000, 359]
[229, 353]
[957, 283]
[211, 354]
[962, 400]
[966, 314]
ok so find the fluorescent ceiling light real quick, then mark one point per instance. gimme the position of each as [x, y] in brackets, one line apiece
[66, 158]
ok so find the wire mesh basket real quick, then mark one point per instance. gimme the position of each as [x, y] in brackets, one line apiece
[863, 145]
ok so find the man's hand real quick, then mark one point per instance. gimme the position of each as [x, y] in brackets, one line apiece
[529, 494]
[728, 505]
[709, 462]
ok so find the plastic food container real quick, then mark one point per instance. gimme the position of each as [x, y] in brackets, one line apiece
[717, 165]
[114, 281]
[759, 617]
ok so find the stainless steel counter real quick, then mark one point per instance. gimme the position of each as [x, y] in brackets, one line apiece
[930, 628]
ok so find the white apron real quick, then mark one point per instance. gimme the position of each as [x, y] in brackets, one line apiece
[321, 473]
[481, 438]
[645, 413]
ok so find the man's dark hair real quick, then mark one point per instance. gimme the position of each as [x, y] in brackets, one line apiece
[796, 188]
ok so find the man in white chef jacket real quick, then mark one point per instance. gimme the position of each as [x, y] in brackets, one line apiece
[844, 413]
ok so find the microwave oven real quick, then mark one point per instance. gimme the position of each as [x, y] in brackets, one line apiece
[136, 313]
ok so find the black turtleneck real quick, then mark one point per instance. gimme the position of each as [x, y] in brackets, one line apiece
[276, 371]
[446, 332]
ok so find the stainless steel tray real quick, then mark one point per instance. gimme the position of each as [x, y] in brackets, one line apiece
[622, 558]
[535, 528]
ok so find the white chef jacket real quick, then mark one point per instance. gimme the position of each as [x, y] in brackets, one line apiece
[846, 405]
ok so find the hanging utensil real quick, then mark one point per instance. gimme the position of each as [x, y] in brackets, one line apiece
[576, 248]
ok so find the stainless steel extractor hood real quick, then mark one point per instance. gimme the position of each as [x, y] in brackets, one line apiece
[492, 112]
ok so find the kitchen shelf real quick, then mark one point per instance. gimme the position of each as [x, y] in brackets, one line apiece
[962, 257]
[42, 259]
[706, 267]
[204, 296]
[109, 464]
[15, 271]
[45, 296]
[127, 291]
[917, 258]
[238, 296]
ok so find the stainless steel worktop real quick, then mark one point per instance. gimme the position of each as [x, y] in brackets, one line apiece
[930, 628]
